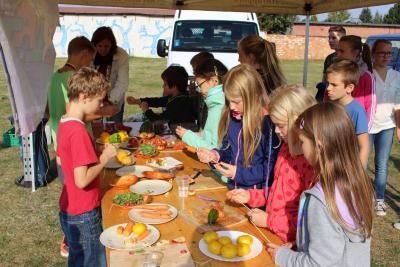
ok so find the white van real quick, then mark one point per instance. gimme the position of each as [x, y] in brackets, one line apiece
[212, 31]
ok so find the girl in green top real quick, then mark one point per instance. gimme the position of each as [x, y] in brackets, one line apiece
[208, 77]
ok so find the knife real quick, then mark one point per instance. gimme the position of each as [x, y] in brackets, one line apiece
[207, 198]
[197, 174]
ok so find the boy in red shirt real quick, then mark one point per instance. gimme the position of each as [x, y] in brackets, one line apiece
[80, 214]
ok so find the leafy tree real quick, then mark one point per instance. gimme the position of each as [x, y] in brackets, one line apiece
[365, 15]
[314, 18]
[338, 16]
[393, 16]
[275, 23]
[378, 18]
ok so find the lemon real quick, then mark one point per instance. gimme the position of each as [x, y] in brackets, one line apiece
[224, 240]
[214, 247]
[243, 249]
[229, 251]
[139, 228]
[245, 239]
[210, 236]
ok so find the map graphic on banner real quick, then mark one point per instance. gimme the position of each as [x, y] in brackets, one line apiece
[26, 33]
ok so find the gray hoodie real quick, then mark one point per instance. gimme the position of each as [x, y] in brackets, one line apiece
[320, 240]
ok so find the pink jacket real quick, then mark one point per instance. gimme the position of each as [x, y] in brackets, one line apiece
[292, 176]
[364, 93]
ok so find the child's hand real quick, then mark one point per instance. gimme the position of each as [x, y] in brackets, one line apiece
[258, 217]
[109, 151]
[238, 196]
[206, 155]
[180, 131]
[144, 106]
[273, 248]
[226, 169]
[132, 101]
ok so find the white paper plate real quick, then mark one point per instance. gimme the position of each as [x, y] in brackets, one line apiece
[136, 170]
[170, 163]
[114, 164]
[256, 247]
[151, 187]
[134, 215]
[109, 238]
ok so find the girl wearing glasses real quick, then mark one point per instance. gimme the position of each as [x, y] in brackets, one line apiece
[248, 143]
[384, 123]
[351, 47]
[208, 77]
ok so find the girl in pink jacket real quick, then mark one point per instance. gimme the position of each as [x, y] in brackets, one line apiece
[292, 173]
[351, 47]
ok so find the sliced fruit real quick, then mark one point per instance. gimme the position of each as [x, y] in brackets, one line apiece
[229, 251]
[210, 236]
[243, 249]
[215, 247]
[245, 239]
[225, 240]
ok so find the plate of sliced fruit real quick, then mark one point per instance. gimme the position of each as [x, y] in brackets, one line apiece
[123, 158]
[232, 246]
[129, 236]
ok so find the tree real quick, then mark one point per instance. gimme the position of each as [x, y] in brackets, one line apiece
[338, 16]
[314, 18]
[378, 18]
[275, 23]
[393, 16]
[365, 15]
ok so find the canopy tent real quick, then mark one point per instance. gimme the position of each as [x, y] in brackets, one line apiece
[296, 7]
[27, 28]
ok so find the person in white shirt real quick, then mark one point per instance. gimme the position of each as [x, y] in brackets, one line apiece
[387, 117]
[113, 62]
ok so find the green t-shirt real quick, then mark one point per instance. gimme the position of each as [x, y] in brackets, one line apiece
[57, 98]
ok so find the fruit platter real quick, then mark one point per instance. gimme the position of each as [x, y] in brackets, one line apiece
[232, 246]
[129, 236]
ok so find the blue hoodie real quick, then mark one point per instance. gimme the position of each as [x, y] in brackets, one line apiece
[232, 152]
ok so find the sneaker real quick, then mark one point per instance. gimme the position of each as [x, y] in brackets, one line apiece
[397, 225]
[380, 208]
[64, 250]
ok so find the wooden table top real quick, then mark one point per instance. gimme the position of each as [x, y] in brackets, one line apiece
[179, 226]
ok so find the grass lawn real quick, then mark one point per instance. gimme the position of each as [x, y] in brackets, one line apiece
[29, 226]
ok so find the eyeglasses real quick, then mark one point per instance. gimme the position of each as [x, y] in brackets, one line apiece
[384, 54]
[198, 85]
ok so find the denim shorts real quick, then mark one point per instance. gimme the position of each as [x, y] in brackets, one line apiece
[83, 233]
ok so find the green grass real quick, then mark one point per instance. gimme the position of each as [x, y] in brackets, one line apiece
[29, 227]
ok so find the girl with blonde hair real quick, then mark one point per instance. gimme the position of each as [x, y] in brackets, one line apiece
[292, 173]
[261, 54]
[248, 144]
[335, 215]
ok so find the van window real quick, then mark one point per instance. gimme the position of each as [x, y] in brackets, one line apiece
[214, 36]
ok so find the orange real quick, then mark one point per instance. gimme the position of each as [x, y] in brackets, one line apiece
[139, 228]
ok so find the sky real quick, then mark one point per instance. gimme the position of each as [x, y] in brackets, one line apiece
[355, 13]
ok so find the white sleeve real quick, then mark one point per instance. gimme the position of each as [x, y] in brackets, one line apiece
[122, 82]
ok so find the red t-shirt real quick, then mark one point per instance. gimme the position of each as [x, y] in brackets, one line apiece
[76, 148]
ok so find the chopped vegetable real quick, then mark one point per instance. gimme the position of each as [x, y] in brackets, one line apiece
[128, 199]
[115, 138]
[212, 216]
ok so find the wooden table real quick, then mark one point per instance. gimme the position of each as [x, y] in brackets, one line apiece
[179, 226]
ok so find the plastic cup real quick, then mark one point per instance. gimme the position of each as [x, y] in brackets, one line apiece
[183, 186]
[153, 259]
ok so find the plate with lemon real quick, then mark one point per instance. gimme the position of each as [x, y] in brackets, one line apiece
[129, 236]
[232, 246]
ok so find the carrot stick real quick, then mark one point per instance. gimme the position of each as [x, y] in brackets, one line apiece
[143, 235]
[128, 229]
[153, 215]
[152, 207]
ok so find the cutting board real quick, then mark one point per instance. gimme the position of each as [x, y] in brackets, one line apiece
[196, 213]
[207, 180]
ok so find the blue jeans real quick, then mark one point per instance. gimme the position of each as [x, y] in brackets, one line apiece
[382, 142]
[83, 233]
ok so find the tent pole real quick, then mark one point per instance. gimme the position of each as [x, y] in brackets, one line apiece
[305, 68]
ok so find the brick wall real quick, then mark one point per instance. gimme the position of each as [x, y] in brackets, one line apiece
[292, 46]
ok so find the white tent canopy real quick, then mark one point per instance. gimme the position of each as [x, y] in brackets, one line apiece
[296, 7]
